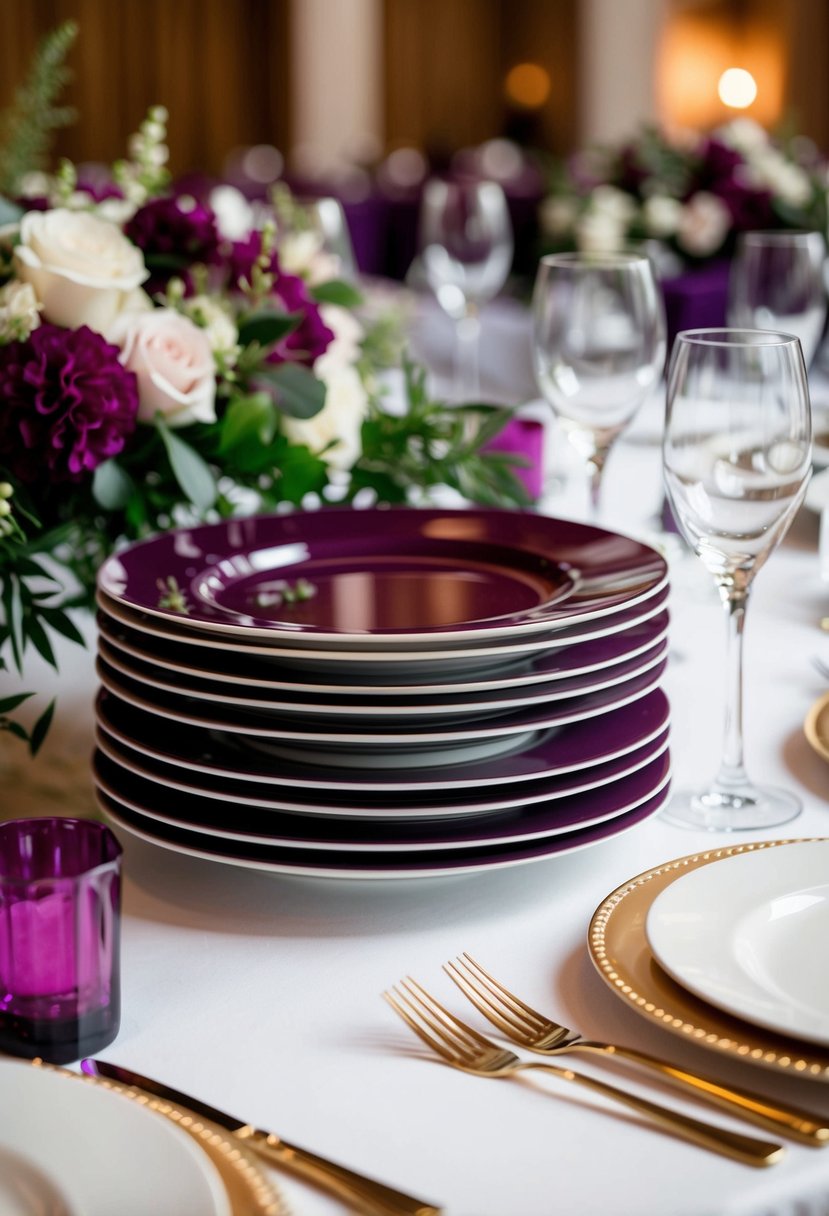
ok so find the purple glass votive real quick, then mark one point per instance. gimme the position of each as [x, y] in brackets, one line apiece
[60, 912]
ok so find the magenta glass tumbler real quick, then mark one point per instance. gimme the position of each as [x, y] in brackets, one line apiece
[60, 912]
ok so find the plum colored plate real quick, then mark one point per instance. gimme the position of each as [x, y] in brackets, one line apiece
[370, 708]
[384, 576]
[568, 749]
[266, 728]
[418, 661]
[562, 663]
[363, 804]
[323, 863]
[227, 822]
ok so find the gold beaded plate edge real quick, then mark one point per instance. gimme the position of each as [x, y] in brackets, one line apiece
[619, 950]
[249, 1192]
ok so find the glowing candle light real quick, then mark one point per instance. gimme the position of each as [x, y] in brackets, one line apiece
[737, 88]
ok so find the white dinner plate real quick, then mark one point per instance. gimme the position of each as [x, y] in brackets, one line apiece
[749, 934]
[72, 1147]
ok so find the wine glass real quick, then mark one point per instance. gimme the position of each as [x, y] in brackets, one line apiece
[737, 458]
[598, 347]
[777, 282]
[466, 245]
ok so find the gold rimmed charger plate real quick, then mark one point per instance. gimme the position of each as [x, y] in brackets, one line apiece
[816, 726]
[619, 949]
[249, 1192]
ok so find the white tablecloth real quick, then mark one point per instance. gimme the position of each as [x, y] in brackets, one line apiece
[261, 994]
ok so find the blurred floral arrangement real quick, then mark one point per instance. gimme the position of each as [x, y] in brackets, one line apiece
[692, 194]
[164, 361]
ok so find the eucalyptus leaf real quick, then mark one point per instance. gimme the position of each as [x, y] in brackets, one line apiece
[7, 704]
[267, 326]
[337, 291]
[246, 419]
[10, 213]
[191, 472]
[112, 486]
[297, 390]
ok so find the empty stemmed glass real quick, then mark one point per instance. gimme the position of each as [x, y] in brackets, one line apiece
[737, 459]
[777, 282]
[466, 244]
[598, 347]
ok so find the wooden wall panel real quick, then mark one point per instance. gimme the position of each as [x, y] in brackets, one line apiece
[222, 68]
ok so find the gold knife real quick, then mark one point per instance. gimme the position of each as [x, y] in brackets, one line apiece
[363, 1194]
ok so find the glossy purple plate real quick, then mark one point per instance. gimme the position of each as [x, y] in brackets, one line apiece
[269, 730]
[365, 804]
[233, 667]
[496, 656]
[567, 749]
[228, 822]
[384, 708]
[322, 863]
[385, 576]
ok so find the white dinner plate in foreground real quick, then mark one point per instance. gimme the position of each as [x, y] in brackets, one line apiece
[749, 934]
[75, 1146]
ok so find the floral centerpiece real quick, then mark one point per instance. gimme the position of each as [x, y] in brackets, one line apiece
[163, 360]
[692, 194]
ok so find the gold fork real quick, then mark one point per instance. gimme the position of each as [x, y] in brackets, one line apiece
[533, 1030]
[464, 1048]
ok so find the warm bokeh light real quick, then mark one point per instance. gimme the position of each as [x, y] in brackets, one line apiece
[697, 50]
[527, 85]
[737, 88]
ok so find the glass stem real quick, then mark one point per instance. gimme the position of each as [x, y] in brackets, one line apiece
[595, 467]
[467, 379]
[732, 775]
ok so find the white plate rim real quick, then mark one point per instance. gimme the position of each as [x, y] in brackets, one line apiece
[717, 897]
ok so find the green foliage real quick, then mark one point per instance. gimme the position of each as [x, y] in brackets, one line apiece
[431, 445]
[26, 127]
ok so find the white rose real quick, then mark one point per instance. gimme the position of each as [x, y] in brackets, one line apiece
[744, 134]
[558, 215]
[661, 215]
[172, 359]
[19, 311]
[340, 419]
[614, 203]
[348, 334]
[704, 225]
[234, 215]
[80, 266]
[599, 233]
[302, 253]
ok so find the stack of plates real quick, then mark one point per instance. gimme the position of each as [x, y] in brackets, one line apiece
[726, 948]
[382, 693]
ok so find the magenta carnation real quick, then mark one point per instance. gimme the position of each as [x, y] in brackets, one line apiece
[68, 404]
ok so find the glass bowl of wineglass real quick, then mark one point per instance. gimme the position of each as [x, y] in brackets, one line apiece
[465, 246]
[598, 347]
[737, 451]
[777, 282]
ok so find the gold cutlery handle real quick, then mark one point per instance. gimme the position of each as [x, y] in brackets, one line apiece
[799, 1124]
[363, 1194]
[731, 1144]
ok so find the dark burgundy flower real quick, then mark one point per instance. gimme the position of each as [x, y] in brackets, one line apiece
[312, 337]
[68, 404]
[173, 233]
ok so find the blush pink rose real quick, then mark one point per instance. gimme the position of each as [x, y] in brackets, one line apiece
[173, 362]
